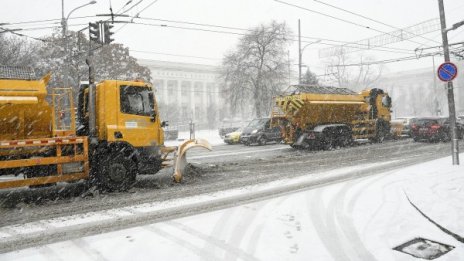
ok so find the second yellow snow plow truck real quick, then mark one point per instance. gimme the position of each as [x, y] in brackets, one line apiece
[325, 117]
[120, 133]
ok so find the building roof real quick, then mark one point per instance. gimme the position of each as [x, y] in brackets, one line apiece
[189, 67]
[16, 72]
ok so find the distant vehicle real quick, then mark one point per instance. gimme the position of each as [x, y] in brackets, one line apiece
[259, 131]
[434, 129]
[460, 119]
[407, 123]
[328, 117]
[396, 129]
[229, 126]
[233, 137]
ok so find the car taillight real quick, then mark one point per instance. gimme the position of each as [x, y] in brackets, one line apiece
[435, 127]
[414, 126]
[311, 135]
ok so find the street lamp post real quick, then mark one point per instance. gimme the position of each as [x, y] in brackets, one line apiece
[300, 51]
[64, 24]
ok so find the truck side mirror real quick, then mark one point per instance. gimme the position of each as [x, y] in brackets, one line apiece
[164, 124]
[153, 116]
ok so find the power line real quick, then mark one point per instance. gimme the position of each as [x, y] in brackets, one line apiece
[340, 19]
[138, 14]
[361, 45]
[367, 18]
[400, 59]
[243, 34]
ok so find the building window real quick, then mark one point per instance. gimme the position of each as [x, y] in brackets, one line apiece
[186, 88]
[172, 88]
[198, 89]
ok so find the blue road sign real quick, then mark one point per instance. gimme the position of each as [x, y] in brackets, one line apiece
[447, 71]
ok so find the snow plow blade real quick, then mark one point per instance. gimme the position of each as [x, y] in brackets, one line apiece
[180, 159]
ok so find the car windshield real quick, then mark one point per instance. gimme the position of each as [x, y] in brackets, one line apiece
[427, 122]
[257, 123]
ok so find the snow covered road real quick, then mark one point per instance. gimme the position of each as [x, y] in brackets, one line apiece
[359, 219]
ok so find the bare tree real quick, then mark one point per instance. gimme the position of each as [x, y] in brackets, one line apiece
[110, 62]
[257, 69]
[362, 75]
[16, 51]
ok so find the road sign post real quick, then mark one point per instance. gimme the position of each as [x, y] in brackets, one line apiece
[447, 71]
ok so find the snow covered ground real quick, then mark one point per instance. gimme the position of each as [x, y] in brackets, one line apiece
[361, 219]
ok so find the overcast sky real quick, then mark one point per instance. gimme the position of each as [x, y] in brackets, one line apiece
[182, 45]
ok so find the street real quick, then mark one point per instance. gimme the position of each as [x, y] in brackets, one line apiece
[227, 167]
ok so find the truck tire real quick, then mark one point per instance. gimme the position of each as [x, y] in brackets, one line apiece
[381, 132]
[116, 171]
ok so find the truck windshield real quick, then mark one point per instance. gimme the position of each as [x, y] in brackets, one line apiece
[136, 100]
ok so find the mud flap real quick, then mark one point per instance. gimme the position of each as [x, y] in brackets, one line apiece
[180, 159]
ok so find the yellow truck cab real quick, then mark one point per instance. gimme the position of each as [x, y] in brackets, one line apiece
[127, 120]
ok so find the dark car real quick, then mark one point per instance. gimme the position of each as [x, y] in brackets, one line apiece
[258, 131]
[434, 129]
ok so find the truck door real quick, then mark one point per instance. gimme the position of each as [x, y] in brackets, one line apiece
[138, 121]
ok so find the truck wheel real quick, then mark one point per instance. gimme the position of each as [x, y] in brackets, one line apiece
[381, 133]
[117, 172]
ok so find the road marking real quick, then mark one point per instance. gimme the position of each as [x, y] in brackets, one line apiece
[236, 153]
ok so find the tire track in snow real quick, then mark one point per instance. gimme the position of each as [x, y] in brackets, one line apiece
[340, 226]
[330, 241]
[178, 240]
[256, 234]
[213, 241]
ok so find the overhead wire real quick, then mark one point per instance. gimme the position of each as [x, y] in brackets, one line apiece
[339, 19]
[368, 18]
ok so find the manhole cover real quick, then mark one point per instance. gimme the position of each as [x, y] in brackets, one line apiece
[424, 248]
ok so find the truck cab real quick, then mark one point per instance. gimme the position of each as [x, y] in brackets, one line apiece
[126, 119]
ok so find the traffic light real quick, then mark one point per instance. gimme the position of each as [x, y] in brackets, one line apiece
[94, 32]
[108, 33]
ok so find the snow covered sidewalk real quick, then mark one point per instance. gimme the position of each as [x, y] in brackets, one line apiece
[362, 219]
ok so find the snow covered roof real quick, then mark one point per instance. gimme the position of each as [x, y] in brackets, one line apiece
[16, 72]
[321, 89]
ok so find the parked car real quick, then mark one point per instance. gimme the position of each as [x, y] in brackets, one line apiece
[258, 131]
[407, 124]
[233, 137]
[228, 126]
[396, 128]
[434, 129]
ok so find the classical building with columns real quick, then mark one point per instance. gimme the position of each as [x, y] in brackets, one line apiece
[191, 90]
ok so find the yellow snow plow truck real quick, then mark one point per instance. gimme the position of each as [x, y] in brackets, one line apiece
[325, 117]
[119, 135]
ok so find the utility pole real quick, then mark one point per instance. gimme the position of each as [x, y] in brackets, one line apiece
[435, 91]
[451, 105]
[299, 52]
